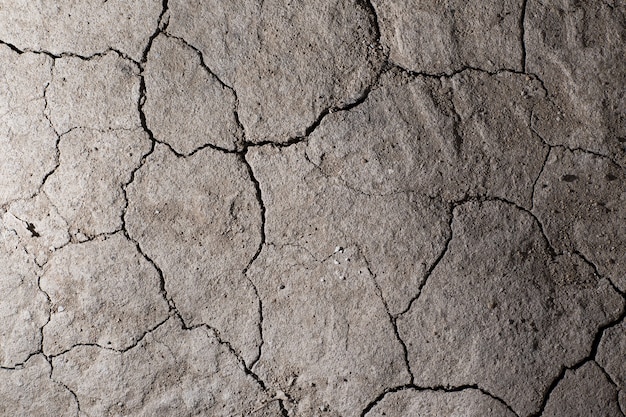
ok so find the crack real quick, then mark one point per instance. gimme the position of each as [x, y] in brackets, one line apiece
[432, 267]
[439, 388]
[318, 121]
[466, 68]
[369, 8]
[259, 197]
[71, 391]
[522, 30]
[549, 247]
[123, 350]
[611, 380]
[392, 319]
[162, 24]
[564, 146]
[12, 47]
[590, 357]
[57, 156]
[543, 167]
[597, 273]
[20, 365]
[240, 145]
[213, 332]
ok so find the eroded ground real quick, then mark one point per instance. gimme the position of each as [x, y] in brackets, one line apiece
[321, 208]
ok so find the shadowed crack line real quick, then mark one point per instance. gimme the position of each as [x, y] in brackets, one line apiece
[522, 30]
[142, 118]
[368, 7]
[12, 47]
[392, 319]
[259, 197]
[67, 54]
[466, 68]
[441, 388]
[437, 260]
[597, 273]
[611, 380]
[213, 332]
[543, 167]
[316, 123]
[126, 349]
[57, 156]
[71, 391]
[565, 147]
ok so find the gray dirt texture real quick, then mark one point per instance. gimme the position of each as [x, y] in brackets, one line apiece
[330, 208]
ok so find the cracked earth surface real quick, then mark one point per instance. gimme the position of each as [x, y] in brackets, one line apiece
[330, 208]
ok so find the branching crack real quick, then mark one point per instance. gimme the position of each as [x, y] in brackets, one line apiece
[259, 197]
[126, 349]
[417, 388]
[392, 319]
[438, 259]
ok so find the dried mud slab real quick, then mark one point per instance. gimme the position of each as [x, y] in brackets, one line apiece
[86, 188]
[186, 106]
[611, 357]
[581, 201]
[199, 220]
[466, 135]
[427, 403]
[39, 227]
[583, 392]
[500, 312]
[23, 307]
[425, 37]
[102, 292]
[29, 391]
[577, 48]
[171, 372]
[106, 99]
[27, 141]
[329, 344]
[289, 62]
[79, 27]
[400, 235]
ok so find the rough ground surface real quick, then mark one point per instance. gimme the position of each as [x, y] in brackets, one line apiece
[323, 208]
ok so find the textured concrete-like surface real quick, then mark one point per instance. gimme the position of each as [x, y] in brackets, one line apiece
[331, 208]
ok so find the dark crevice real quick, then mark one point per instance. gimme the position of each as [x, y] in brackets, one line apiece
[212, 332]
[437, 260]
[12, 47]
[126, 349]
[57, 156]
[543, 167]
[241, 138]
[202, 61]
[522, 30]
[259, 197]
[313, 126]
[161, 27]
[610, 379]
[439, 388]
[590, 357]
[371, 10]
[598, 274]
[72, 393]
[142, 118]
[568, 148]
[392, 319]
[20, 365]
[466, 68]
